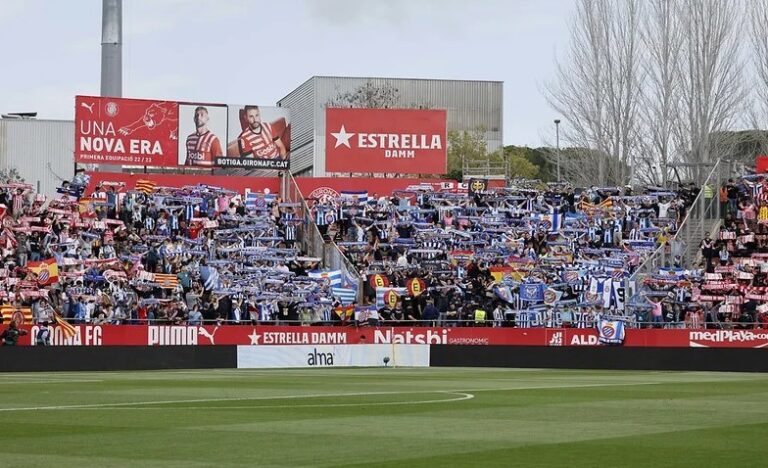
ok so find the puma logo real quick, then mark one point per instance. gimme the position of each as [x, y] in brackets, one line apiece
[87, 106]
[203, 332]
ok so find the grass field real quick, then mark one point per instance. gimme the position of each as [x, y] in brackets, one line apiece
[384, 417]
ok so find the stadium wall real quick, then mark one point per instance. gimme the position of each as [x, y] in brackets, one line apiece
[601, 357]
[41, 150]
[114, 358]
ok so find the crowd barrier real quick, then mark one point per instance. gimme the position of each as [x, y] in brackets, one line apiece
[135, 347]
[114, 358]
[364, 355]
[260, 335]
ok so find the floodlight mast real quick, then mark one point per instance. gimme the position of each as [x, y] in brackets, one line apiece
[112, 48]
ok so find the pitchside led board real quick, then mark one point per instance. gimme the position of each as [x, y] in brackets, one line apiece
[405, 141]
[138, 132]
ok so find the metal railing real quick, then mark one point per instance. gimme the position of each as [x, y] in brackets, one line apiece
[484, 168]
[702, 217]
[312, 240]
[507, 323]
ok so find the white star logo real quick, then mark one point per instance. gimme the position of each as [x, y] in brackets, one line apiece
[255, 337]
[342, 138]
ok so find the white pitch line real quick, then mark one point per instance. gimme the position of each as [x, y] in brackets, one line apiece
[9, 382]
[463, 397]
[211, 400]
[318, 395]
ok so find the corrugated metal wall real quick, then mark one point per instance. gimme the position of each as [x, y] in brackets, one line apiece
[41, 150]
[470, 104]
[301, 103]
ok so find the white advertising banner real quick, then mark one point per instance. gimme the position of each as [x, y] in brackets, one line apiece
[262, 357]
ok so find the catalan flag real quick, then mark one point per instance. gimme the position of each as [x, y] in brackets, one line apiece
[67, 328]
[47, 271]
[166, 281]
[146, 186]
[20, 315]
[603, 205]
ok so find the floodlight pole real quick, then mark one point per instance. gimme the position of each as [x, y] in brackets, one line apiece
[557, 139]
[112, 48]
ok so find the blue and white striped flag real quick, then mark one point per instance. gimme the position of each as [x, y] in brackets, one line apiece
[349, 195]
[346, 295]
[380, 292]
[334, 276]
[210, 277]
[255, 200]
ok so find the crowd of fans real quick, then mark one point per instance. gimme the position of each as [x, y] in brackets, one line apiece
[727, 287]
[149, 254]
[528, 255]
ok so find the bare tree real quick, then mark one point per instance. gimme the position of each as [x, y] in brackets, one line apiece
[758, 35]
[660, 106]
[368, 96]
[9, 175]
[712, 88]
[597, 90]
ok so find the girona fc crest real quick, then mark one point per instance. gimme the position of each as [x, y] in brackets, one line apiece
[111, 108]
[323, 194]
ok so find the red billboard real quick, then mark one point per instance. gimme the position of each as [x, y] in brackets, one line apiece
[406, 141]
[126, 131]
[182, 335]
[138, 132]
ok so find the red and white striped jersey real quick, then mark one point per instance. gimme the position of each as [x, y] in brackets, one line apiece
[202, 148]
[259, 145]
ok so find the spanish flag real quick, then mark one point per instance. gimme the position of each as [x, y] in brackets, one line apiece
[499, 272]
[20, 315]
[67, 328]
[345, 312]
[146, 186]
[47, 271]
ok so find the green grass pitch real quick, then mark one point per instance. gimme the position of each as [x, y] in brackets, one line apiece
[384, 417]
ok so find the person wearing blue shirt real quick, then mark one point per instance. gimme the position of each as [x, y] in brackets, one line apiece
[80, 310]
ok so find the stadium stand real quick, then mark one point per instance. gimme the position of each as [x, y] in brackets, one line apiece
[530, 255]
[726, 287]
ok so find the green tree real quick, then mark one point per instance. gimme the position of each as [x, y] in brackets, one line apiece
[519, 166]
[467, 145]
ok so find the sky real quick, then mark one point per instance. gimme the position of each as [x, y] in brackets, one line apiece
[258, 51]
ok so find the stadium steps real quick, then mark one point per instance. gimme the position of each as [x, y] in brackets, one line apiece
[695, 235]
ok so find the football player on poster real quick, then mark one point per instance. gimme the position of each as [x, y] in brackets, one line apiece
[258, 140]
[202, 145]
